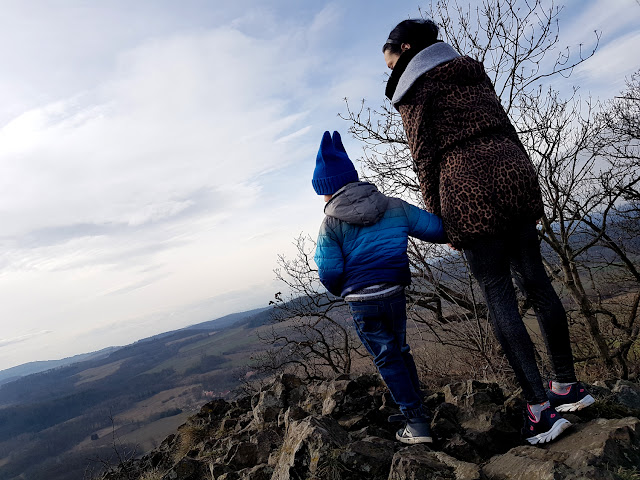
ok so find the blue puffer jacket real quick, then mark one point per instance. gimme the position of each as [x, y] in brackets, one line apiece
[363, 239]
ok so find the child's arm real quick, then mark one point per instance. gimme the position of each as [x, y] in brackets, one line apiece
[424, 225]
[329, 259]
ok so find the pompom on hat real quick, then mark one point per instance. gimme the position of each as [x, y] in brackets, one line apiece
[333, 167]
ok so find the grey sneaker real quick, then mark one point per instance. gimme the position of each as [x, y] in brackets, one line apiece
[416, 430]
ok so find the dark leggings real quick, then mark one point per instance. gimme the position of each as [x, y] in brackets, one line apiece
[493, 260]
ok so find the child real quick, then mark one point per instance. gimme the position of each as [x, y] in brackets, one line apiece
[362, 256]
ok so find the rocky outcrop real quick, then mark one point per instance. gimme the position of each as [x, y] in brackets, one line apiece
[590, 452]
[339, 430]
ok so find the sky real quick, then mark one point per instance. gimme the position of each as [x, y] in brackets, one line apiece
[156, 156]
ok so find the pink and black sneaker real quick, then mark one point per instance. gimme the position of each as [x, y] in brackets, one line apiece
[576, 398]
[546, 429]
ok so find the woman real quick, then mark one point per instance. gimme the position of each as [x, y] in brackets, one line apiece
[475, 173]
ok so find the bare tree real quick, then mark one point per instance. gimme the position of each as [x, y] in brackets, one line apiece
[311, 333]
[120, 465]
[589, 172]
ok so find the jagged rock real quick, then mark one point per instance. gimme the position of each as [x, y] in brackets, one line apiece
[293, 413]
[229, 476]
[266, 441]
[259, 472]
[419, 462]
[586, 453]
[473, 395]
[243, 404]
[491, 432]
[346, 397]
[308, 444]
[217, 470]
[479, 413]
[445, 421]
[241, 455]
[228, 423]
[433, 400]
[387, 432]
[186, 469]
[334, 395]
[267, 405]
[525, 463]
[370, 457]
[627, 393]
[244, 421]
[461, 449]
[602, 441]
[280, 434]
[388, 402]
[211, 413]
[462, 470]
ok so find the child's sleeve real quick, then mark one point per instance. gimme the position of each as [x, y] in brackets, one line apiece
[329, 259]
[424, 225]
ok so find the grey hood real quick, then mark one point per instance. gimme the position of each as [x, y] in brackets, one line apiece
[426, 60]
[357, 203]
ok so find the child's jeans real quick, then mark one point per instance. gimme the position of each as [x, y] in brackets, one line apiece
[381, 325]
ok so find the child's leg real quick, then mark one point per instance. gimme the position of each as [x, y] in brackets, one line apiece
[398, 312]
[375, 327]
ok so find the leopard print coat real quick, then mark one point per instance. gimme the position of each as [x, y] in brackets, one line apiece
[473, 170]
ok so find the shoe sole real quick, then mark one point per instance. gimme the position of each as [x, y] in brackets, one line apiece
[414, 440]
[550, 435]
[579, 405]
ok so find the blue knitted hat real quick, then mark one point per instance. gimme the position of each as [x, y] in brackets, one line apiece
[333, 167]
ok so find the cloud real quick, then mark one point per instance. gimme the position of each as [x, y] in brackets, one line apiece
[23, 338]
[607, 70]
[183, 129]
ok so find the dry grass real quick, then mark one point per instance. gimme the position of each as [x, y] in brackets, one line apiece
[152, 475]
[189, 437]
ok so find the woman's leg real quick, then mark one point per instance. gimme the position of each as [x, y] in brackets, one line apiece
[534, 282]
[490, 264]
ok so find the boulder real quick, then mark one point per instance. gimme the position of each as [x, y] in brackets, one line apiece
[309, 446]
[445, 422]
[259, 472]
[266, 441]
[627, 393]
[601, 442]
[371, 457]
[459, 448]
[267, 404]
[242, 455]
[186, 469]
[587, 453]
[419, 462]
[473, 396]
[478, 412]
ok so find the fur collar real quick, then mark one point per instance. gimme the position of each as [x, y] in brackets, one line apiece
[422, 62]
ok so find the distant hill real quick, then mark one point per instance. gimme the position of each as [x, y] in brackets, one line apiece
[229, 320]
[14, 373]
[72, 408]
